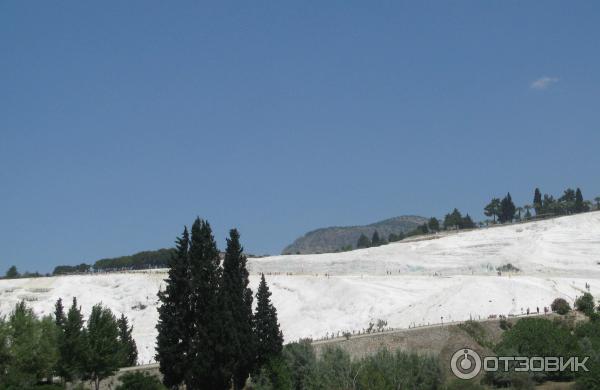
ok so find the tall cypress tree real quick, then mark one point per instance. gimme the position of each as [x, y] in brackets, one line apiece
[508, 209]
[537, 202]
[207, 352]
[128, 352]
[73, 347]
[266, 327]
[59, 314]
[236, 301]
[375, 240]
[579, 206]
[60, 320]
[363, 242]
[174, 317]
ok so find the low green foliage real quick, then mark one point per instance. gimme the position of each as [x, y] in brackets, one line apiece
[334, 370]
[536, 337]
[505, 324]
[71, 269]
[139, 381]
[460, 384]
[508, 268]
[588, 334]
[141, 260]
[560, 306]
[585, 304]
[477, 332]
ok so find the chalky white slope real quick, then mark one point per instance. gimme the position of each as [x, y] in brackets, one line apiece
[395, 282]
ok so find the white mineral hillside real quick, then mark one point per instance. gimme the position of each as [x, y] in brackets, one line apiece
[395, 282]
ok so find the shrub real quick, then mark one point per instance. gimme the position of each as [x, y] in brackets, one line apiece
[477, 332]
[460, 384]
[560, 306]
[508, 268]
[301, 359]
[400, 370]
[585, 304]
[511, 379]
[139, 381]
[505, 325]
[276, 374]
[540, 337]
[384, 370]
[334, 370]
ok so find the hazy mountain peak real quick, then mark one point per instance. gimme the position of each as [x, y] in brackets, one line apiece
[331, 239]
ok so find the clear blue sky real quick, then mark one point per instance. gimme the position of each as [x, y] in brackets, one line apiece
[122, 121]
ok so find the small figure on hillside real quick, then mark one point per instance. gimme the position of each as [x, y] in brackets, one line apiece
[527, 311]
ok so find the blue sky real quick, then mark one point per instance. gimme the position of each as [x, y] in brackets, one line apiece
[122, 121]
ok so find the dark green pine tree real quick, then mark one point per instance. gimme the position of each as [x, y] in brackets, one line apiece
[174, 316]
[453, 220]
[493, 208]
[433, 224]
[60, 321]
[236, 301]
[128, 352]
[102, 358]
[363, 242]
[507, 209]
[375, 240]
[266, 327]
[467, 222]
[12, 272]
[59, 314]
[579, 205]
[207, 352]
[73, 345]
[537, 202]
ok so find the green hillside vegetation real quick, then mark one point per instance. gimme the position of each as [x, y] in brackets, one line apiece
[146, 259]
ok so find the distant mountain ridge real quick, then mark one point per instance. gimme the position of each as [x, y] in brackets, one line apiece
[331, 239]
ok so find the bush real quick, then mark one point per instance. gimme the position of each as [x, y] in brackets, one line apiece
[540, 337]
[139, 381]
[588, 334]
[505, 325]
[400, 370]
[511, 379]
[560, 306]
[298, 369]
[274, 375]
[508, 268]
[460, 384]
[585, 304]
[477, 332]
[301, 359]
